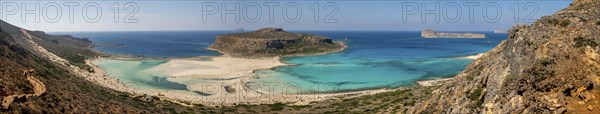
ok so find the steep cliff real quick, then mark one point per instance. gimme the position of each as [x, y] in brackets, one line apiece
[268, 42]
[550, 66]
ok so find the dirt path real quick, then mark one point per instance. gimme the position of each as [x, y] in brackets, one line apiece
[38, 89]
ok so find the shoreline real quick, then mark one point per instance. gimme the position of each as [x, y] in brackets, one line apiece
[344, 47]
[433, 82]
[472, 57]
[221, 96]
[242, 95]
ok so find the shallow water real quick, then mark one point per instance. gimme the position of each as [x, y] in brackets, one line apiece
[135, 73]
[373, 60]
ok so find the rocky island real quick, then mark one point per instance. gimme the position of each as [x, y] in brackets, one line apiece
[270, 42]
[429, 33]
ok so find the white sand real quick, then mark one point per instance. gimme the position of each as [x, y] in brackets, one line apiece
[231, 72]
[219, 67]
[474, 56]
[434, 82]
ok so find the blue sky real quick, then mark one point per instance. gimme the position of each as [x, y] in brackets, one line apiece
[388, 15]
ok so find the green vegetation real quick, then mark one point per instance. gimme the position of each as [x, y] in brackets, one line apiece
[277, 106]
[539, 71]
[299, 107]
[545, 62]
[74, 50]
[475, 96]
[388, 102]
[509, 78]
[198, 105]
[470, 77]
[557, 22]
[473, 73]
[583, 42]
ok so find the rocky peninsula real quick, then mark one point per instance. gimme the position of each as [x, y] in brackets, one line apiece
[272, 42]
[430, 33]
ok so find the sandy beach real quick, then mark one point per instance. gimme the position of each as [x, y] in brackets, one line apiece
[433, 82]
[473, 57]
[229, 87]
[218, 67]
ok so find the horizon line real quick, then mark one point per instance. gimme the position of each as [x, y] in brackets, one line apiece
[234, 29]
[366, 30]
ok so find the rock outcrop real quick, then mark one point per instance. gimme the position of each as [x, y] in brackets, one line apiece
[429, 33]
[550, 66]
[269, 42]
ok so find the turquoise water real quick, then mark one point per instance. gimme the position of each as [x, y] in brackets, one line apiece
[135, 73]
[131, 73]
[374, 60]
[312, 75]
[383, 59]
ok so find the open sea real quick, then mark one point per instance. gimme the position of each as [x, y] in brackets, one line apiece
[374, 59]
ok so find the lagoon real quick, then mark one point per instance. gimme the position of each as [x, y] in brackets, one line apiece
[374, 59]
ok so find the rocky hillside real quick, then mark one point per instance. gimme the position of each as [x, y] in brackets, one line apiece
[268, 42]
[550, 66]
[75, 50]
[30, 82]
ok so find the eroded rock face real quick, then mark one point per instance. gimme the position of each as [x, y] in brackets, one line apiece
[551, 66]
[270, 42]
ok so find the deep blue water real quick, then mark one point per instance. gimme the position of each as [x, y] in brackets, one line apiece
[154, 44]
[373, 59]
